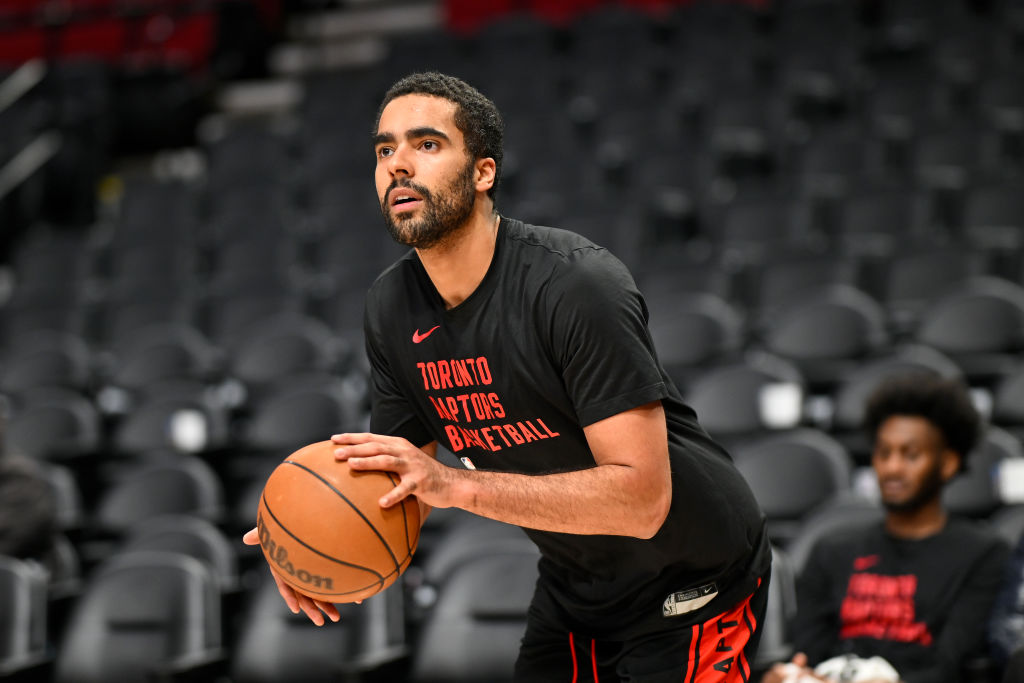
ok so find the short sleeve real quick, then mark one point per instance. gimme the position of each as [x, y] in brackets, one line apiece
[391, 413]
[600, 337]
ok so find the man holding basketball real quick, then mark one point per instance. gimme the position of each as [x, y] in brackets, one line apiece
[525, 351]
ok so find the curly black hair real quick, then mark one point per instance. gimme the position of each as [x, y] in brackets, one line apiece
[945, 403]
[475, 116]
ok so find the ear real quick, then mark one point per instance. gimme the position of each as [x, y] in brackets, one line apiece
[485, 172]
[950, 464]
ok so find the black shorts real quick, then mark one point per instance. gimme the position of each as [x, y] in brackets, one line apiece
[718, 650]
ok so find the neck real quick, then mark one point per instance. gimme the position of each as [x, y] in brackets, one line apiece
[927, 520]
[457, 266]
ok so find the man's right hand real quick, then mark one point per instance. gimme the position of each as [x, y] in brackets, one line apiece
[313, 608]
[794, 671]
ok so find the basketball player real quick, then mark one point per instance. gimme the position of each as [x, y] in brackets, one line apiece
[525, 351]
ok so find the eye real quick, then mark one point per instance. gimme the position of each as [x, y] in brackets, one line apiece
[384, 152]
[429, 145]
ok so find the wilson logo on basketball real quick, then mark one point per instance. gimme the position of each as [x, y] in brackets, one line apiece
[279, 556]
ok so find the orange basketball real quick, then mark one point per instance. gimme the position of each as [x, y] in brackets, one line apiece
[323, 530]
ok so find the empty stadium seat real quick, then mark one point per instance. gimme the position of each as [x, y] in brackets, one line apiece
[273, 644]
[979, 324]
[975, 493]
[791, 474]
[144, 616]
[24, 637]
[692, 331]
[757, 394]
[162, 351]
[178, 485]
[472, 634]
[827, 333]
[189, 535]
[47, 359]
[54, 423]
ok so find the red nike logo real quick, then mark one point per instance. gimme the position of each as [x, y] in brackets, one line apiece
[866, 562]
[417, 337]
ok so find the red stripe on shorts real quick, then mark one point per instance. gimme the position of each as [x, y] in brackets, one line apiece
[717, 656]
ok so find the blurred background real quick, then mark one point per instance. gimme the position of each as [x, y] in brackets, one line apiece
[811, 194]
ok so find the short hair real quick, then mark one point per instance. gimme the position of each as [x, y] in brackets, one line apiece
[476, 117]
[944, 403]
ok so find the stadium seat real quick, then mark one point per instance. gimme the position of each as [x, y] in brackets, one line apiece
[878, 224]
[792, 473]
[827, 333]
[776, 627]
[181, 416]
[179, 485]
[1008, 402]
[24, 644]
[57, 424]
[368, 643]
[47, 359]
[750, 397]
[189, 535]
[162, 352]
[1008, 522]
[913, 279]
[992, 215]
[787, 278]
[282, 345]
[299, 410]
[758, 230]
[144, 616]
[979, 324]
[462, 538]
[693, 331]
[473, 632]
[974, 493]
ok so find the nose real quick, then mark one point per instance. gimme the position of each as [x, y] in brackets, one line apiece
[891, 465]
[400, 161]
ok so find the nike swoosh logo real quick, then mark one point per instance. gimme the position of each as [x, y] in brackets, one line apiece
[417, 337]
[866, 562]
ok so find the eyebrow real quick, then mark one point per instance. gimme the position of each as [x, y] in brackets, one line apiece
[411, 134]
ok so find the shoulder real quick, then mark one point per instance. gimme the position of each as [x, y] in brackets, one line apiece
[570, 261]
[975, 538]
[394, 278]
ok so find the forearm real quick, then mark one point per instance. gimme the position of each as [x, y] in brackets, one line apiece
[607, 499]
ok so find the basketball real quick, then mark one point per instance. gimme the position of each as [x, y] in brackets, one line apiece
[324, 532]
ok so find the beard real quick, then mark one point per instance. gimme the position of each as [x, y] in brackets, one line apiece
[442, 215]
[929, 490]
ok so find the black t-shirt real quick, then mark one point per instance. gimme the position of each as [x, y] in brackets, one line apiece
[553, 339]
[921, 604]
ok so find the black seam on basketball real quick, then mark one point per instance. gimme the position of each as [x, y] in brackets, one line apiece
[380, 577]
[359, 512]
[405, 515]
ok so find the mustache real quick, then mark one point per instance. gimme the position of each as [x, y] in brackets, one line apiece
[407, 184]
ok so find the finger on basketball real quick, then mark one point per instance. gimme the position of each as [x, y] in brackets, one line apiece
[310, 609]
[380, 462]
[251, 537]
[398, 494]
[354, 437]
[363, 450]
[287, 593]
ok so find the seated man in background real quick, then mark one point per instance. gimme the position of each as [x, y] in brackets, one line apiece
[28, 507]
[908, 598]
